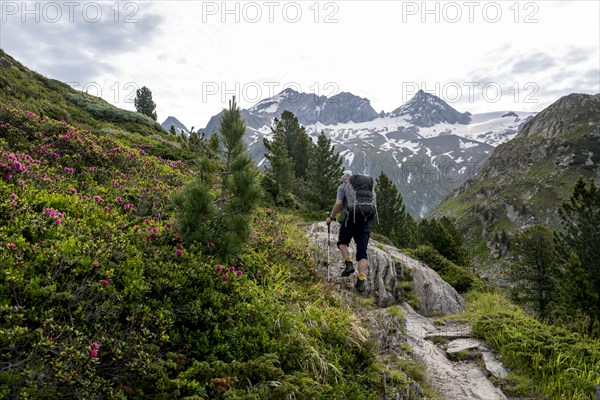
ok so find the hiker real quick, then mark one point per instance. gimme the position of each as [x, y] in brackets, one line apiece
[351, 228]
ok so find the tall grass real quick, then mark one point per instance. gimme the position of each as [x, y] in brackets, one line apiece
[563, 364]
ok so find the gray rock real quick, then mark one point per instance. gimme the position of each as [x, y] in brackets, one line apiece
[458, 331]
[436, 295]
[453, 381]
[493, 366]
[385, 262]
[4, 63]
[458, 345]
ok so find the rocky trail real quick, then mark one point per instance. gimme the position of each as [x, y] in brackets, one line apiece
[458, 366]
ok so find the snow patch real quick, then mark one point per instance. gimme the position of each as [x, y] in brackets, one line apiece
[467, 145]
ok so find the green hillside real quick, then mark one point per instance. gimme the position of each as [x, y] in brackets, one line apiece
[31, 91]
[101, 298]
[526, 180]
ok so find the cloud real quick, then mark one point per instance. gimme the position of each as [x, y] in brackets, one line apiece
[76, 42]
[533, 63]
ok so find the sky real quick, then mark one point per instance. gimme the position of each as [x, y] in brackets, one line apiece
[479, 56]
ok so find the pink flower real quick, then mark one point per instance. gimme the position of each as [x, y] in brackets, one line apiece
[178, 252]
[13, 196]
[232, 268]
[279, 291]
[106, 209]
[239, 272]
[94, 353]
[58, 222]
[11, 246]
[73, 190]
[105, 282]
[211, 245]
[219, 267]
[224, 276]
[95, 345]
[96, 264]
[128, 207]
[21, 182]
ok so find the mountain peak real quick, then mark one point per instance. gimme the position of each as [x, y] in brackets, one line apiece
[564, 115]
[174, 122]
[310, 108]
[426, 110]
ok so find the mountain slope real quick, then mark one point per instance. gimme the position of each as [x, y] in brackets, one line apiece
[22, 87]
[31, 91]
[526, 179]
[175, 123]
[426, 147]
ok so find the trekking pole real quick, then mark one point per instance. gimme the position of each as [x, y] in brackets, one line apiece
[328, 246]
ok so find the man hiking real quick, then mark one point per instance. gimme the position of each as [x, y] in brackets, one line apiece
[353, 226]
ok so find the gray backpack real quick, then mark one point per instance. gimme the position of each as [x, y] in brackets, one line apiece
[361, 205]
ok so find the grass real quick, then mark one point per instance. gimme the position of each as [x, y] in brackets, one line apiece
[169, 323]
[546, 360]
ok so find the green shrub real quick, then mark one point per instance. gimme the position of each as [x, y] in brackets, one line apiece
[105, 111]
[459, 277]
[563, 364]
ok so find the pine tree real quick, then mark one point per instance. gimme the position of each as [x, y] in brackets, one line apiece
[143, 102]
[218, 206]
[445, 238]
[577, 295]
[395, 222]
[324, 171]
[196, 142]
[580, 234]
[172, 130]
[535, 273]
[278, 180]
[297, 142]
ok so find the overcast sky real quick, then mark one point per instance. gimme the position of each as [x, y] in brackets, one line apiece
[195, 55]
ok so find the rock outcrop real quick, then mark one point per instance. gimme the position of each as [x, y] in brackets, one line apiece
[388, 267]
[452, 357]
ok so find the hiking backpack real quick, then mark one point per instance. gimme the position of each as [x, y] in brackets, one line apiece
[360, 199]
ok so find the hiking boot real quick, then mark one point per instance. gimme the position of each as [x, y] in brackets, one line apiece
[360, 285]
[349, 269]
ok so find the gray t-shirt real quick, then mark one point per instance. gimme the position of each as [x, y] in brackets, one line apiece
[341, 195]
[341, 192]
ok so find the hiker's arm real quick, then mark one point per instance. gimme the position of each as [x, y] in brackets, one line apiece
[336, 208]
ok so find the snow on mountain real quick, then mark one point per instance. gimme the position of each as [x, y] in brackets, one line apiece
[425, 146]
[179, 127]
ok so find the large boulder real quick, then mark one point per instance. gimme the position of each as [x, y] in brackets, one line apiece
[388, 267]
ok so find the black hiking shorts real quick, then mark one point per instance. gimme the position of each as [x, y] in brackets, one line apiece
[360, 232]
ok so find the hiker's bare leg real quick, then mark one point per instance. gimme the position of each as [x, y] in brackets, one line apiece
[345, 251]
[362, 266]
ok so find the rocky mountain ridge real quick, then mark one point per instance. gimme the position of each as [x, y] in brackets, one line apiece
[180, 128]
[425, 146]
[525, 180]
